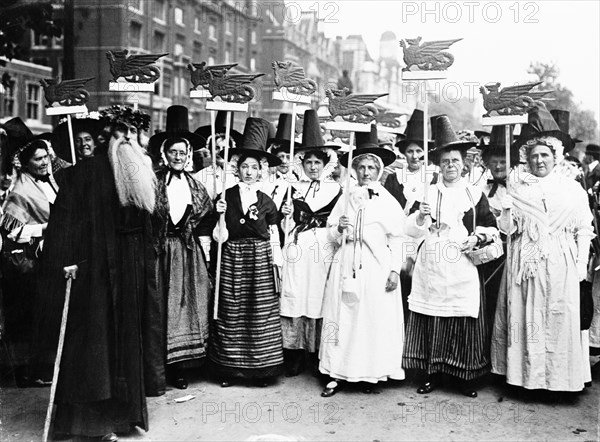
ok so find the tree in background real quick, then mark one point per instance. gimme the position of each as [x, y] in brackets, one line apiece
[17, 17]
[583, 125]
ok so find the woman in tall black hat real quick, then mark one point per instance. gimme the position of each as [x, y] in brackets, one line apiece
[446, 331]
[183, 281]
[281, 178]
[85, 138]
[206, 175]
[246, 337]
[551, 226]
[277, 183]
[307, 250]
[406, 185]
[493, 156]
[363, 320]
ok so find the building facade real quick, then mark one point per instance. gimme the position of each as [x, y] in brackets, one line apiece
[190, 31]
[23, 96]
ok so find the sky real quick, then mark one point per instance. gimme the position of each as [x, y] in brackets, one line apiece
[500, 39]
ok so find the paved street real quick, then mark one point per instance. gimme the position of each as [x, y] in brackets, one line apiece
[294, 409]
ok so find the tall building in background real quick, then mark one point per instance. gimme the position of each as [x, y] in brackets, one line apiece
[23, 96]
[298, 38]
[189, 31]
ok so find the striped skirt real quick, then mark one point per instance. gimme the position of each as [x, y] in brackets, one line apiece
[458, 346]
[246, 338]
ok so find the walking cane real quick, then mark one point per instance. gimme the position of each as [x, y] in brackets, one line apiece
[61, 341]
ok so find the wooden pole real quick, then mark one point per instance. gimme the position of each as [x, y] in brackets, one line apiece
[61, 342]
[288, 194]
[71, 138]
[222, 225]
[213, 130]
[345, 232]
[507, 133]
[425, 138]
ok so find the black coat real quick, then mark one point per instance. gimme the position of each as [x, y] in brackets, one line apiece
[114, 330]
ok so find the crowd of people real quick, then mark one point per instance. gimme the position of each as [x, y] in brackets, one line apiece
[357, 264]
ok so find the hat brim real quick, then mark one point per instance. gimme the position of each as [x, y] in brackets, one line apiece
[60, 137]
[258, 154]
[461, 146]
[500, 151]
[403, 144]
[559, 135]
[386, 155]
[482, 133]
[155, 142]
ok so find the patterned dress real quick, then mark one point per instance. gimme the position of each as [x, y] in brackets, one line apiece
[246, 337]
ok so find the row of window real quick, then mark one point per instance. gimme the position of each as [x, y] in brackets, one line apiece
[160, 15]
[32, 101]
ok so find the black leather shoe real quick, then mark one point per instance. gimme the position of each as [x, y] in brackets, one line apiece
[332, 388]
[470, 393]
[226, 383]
[427, 387]
[111, 437]
[181, 383]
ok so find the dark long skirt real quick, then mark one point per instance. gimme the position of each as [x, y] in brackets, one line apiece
[458, 346]
[101, 384]
[246, 338]
[186, 286]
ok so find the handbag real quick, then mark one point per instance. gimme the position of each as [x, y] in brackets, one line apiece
[18, 259]
[489, 252]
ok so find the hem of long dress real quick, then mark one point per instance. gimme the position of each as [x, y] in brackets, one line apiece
[188, 362]
[546, 388]
[369, 379]
[444, 368]
[247, 373]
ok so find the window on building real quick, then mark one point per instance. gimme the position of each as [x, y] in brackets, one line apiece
[252, 64]
[178, 50]
[197, 52]
[228, 26]
[227, 56]
[33, 101]
[197, 26]
[160, 10]
[241, 54]
[9, 106]
[253, 37]
[166, 81]
[158, 42]
[212, 32]
[39, 40]
[176, 84]
[179, 16]
[211, 60]
[135, 34]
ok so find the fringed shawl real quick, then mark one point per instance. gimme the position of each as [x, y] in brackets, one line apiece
[26, 204]
[545, 209]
